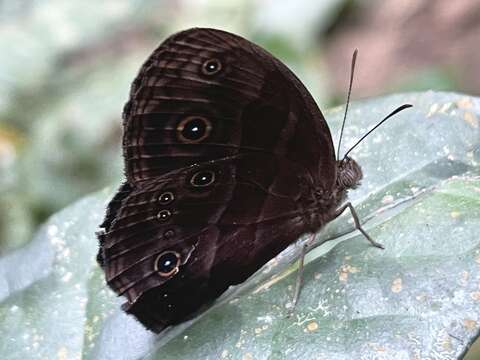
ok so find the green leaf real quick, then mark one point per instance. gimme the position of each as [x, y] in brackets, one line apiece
[418, 298]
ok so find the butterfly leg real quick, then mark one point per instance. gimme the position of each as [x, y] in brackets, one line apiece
[305, 247]
[301, 263]
[358, 226]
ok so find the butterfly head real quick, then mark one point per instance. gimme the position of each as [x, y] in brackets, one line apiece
[349, 174]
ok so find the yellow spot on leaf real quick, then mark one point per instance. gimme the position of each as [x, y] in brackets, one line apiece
[470, 324]
[343, 277]
[447, 343]
[345, 270]
[387, 199]
[397, 285]
[475, 295]
[464, 278]
[455, 214]
[247, 356]
[62, 353]
[445, 107]
[471, 119]
[465, 103]
[312, 326]
[433, 110]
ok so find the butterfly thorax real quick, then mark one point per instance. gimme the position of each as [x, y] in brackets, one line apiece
[327, 201]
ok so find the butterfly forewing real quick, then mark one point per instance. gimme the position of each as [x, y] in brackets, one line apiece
[252, 103]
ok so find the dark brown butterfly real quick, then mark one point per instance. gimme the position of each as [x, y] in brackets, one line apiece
[228, 160]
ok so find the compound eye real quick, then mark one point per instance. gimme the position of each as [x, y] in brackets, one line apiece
[203, 178]
[166, 264]
[193, 129]
[211, 67]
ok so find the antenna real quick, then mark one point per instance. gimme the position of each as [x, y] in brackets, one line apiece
[396, 111]
[352, 69]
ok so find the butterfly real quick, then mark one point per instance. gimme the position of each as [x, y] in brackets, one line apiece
[228, 160]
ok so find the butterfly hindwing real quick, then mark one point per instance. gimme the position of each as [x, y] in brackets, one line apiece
[221, 229]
